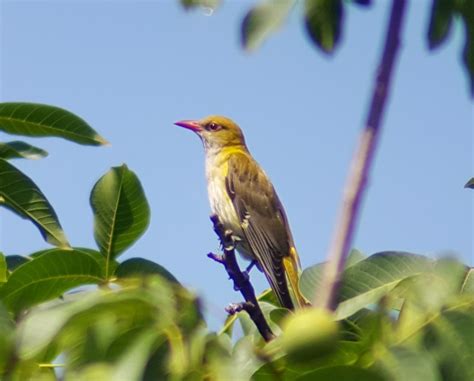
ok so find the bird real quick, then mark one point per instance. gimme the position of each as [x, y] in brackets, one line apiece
[243, 198]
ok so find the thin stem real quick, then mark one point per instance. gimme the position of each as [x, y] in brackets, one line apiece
[361, 164]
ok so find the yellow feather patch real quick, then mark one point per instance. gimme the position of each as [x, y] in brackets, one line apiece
[292, 266]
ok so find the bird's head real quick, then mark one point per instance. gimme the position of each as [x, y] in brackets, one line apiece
[216, 132]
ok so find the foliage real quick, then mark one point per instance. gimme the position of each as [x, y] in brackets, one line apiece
[17, 191]
[79, 313]
[324, 23]
[470, 183]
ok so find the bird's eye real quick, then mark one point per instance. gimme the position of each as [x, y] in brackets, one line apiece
[213, 126]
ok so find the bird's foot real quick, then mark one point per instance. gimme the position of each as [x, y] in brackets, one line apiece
[246, 272]
[250, 266]
[234, 308]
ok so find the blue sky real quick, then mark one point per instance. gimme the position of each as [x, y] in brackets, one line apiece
[133, 68]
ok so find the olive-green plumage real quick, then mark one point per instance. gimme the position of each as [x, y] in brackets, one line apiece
[242, 196]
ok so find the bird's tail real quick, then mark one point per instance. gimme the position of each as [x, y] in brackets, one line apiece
[292, 266]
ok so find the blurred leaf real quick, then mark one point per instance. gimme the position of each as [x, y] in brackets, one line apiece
[470, 183]
[346, 373]
[367, 281]
[134, 267]
[18, 149]
[29, 370]
[47, 277]
[433, 289]
[467, 13]
[39, 120]
[3, 268]
[131, 364]
[263, 20]
[450, 338]
[363, 2]
[440, 22]
[97, 371]
[401, 364]
[157, 367]
[311, 277]
[285, 368]
[73, 318]
[21, 195]
[323, 20]
[467, 286]
[278, 314]
[13, 261]
[7, 332]
[244, 358]
[121, 211]
[212, 4]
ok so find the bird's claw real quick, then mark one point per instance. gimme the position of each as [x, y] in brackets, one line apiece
[234, 308]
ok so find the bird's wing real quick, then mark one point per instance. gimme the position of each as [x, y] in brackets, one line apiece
[263, 220]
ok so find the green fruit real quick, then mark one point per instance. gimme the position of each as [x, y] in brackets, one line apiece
[309, 333]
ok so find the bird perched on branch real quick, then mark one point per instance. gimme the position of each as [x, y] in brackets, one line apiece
[243, 198]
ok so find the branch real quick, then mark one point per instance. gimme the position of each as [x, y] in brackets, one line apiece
[241, 281]
[361, 165]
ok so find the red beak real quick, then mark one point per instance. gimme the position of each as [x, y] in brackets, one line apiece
[192, 125]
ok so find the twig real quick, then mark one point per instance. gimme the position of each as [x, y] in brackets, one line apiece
[361, 165]
[241, 281]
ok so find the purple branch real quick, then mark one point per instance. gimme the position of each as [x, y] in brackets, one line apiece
[241, 281]
[326, 296]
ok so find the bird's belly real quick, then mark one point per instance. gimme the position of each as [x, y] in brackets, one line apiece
[222, 206]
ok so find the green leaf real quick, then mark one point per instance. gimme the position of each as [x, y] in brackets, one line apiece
[14, 261]
[3, 268]
[346, 373]
[467, 286]
[369, 280]
[470, 183]
[20, 150]
[101, 322]
[401, 364]
[97, 256]
[323, 20]
[278, 314]
[7, 337]
[449, 338]
[39, 120]
[74, 318]
[263, 20]
[312, 276]
[22, 196]
[188, 4]
[440, 22]
[431, 290]
[121, 211]
[134, 267]
[288, 367]
[131, 365]
[47, 277]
